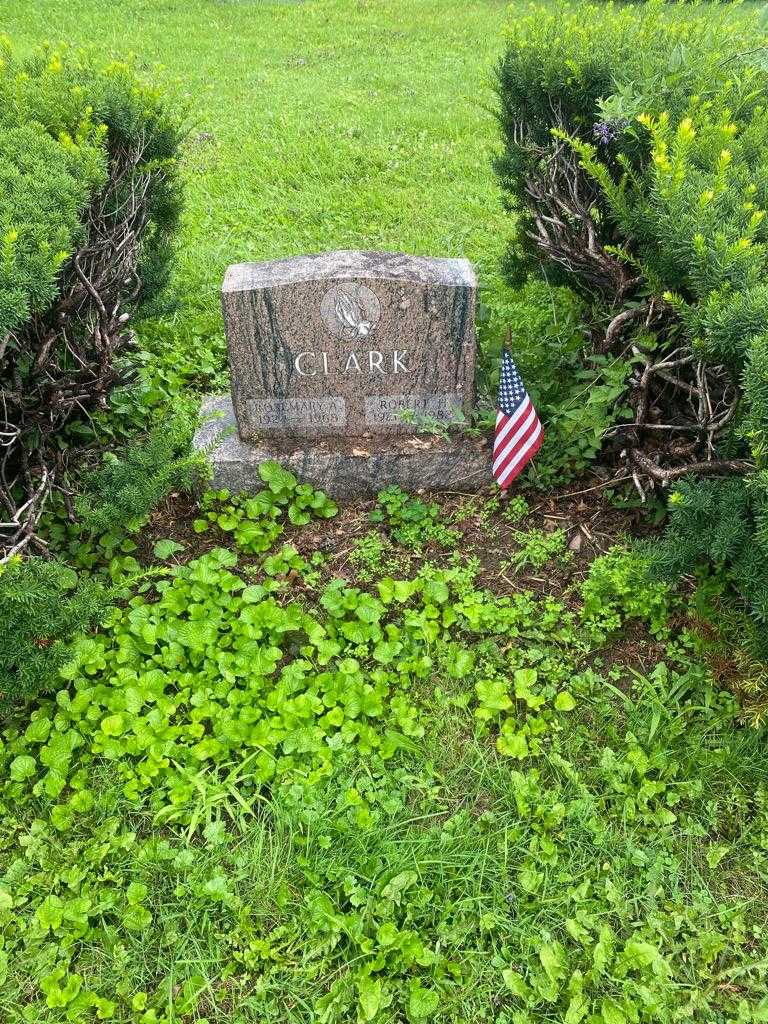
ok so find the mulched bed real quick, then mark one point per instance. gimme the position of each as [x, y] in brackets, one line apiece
[591, 521]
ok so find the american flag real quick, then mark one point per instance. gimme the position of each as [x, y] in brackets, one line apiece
[518, 431]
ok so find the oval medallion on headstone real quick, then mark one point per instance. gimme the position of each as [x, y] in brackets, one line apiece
[350, 310]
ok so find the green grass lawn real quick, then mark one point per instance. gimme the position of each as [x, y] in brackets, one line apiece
[412, 767]
[318, 125]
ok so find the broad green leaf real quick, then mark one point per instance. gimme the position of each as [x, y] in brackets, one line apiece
[22, 767]
[524, 679]
[136, 918]
[637, 953]
[405, 589]
[564, 701]
[530, 879]
[217, 888]
[461, 664]
[397, 885]
[492, 694]
[38, 730]
[436, 591]
[577, 1010]
[387, 933]
[369, 991]
[298, 516]
[57, 752]
[166, 548]
[516, 983]
[552, 957]
[54, 782]
[62, 816]
[577, 931]
[50, 913]
[603, 951]
[113, 725]
[136, 892]
[422, 1002]
[612, 1013]
[276, 478]
[512, 744]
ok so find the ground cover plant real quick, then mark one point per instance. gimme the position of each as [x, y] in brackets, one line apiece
[265, 791]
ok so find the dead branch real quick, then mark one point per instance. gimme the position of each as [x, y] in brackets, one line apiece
[73, 348]
[561, 200]
[714, 467]
[619, 322]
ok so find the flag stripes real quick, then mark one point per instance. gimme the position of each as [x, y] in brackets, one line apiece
[519, 433]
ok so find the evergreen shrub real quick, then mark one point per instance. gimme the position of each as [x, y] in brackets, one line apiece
[42, 604]
[133, 480]
[635, 161]
[89, 199]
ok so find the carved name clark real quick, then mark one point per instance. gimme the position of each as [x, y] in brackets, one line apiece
[347, 343]
[307, 364]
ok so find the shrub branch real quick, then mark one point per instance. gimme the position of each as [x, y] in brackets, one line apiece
[73, 347]
[561, 202]
[671, 396]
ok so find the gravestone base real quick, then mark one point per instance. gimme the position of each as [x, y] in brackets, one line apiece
[343, 467]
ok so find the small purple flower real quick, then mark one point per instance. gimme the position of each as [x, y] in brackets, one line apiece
[606, 131]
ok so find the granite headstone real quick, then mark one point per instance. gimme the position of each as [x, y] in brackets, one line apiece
[348, 343]
[346, 367]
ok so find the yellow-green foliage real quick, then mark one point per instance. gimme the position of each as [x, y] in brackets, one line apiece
[61, 116]
[46, 180]
[660, 110]
[571, 66]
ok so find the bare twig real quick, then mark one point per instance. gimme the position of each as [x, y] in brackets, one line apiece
[714, 467]
[561, 201]
[73, 370]
[620, 321]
